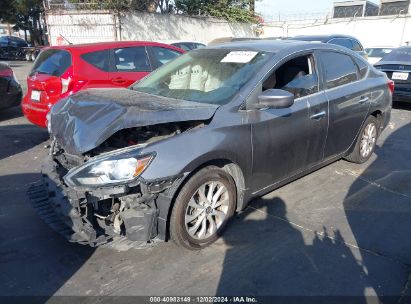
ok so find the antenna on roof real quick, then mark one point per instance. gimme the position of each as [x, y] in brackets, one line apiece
[65, 39]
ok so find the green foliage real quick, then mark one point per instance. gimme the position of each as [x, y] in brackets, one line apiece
[25, 14]
[232, 10]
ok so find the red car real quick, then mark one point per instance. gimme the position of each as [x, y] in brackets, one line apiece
[63, 70]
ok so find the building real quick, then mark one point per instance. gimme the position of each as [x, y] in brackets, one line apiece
[357, 8]
[394, 7]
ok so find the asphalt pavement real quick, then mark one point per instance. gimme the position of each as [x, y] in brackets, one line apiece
[344, 230]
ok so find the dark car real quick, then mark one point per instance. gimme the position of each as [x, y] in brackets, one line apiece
[397, 66]
[188, 46]
[10, 89]
[12, 47]
[343, 40]
[176, 154]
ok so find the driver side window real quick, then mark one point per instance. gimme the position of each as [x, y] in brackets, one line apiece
[297, 76]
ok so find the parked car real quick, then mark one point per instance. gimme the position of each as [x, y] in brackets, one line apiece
[375, 54]
[188, 46]
[183, 149]
[397, 66]
[12, 47]
[343, 40]
[10, 89]
[60, 71]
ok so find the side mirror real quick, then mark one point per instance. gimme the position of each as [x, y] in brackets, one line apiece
[275, 99]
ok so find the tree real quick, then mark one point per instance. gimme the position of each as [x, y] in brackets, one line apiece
[26, 15]
[232, 10]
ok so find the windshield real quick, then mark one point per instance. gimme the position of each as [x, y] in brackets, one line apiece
[52, 62]
[204, 75]
[402, 54]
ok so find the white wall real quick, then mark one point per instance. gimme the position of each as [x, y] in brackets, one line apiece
[371, 31]
[86, 26]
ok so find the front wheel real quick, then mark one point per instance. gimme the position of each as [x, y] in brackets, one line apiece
[202, 208]
[366, 141]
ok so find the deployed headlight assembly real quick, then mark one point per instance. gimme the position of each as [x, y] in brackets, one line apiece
[109, 170]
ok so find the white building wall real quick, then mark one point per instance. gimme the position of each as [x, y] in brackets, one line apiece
[85, 27]
[371, 31]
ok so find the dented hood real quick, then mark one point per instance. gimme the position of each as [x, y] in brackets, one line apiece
[85, 120]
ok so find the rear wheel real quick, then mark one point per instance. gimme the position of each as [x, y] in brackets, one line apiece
[366, 141]
[202, 208]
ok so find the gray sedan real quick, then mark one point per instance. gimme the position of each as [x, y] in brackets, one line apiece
[178, 153]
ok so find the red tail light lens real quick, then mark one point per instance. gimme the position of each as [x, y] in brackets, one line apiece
[6, 73]
[391, 86]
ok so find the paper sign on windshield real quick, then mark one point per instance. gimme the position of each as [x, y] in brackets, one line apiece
[239, 56]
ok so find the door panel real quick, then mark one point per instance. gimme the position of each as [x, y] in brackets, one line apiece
[129, 65]
[348, 109]
[287, 141]
[348, 100]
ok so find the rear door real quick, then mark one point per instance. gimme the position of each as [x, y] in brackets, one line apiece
[129, 64]
[348, 98]
[93, 69]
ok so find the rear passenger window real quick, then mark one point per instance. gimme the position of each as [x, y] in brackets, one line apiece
[339, 69]
[132, 59]
[99, 59]
[163, 55]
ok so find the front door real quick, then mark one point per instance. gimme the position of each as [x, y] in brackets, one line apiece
[288, 141]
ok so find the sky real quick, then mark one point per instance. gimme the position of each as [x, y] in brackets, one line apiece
[294, 7]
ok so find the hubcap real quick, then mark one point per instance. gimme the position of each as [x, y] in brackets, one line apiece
[368, 139]
[207, 210]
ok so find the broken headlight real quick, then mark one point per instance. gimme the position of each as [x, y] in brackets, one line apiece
[109, 170]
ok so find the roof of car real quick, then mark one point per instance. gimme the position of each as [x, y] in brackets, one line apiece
[322, 38]
[273, 46]
[111, 44]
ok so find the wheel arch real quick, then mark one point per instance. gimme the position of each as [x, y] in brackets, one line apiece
[226, 164]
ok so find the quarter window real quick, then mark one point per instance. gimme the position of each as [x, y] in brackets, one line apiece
[356, 46]
[339, 69]
[343, 42]
[131, 59]
[163, 55]
[98, 59]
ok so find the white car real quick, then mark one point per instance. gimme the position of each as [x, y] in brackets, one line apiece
[375, 54]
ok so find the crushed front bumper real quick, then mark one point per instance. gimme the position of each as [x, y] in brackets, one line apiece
[72, 213]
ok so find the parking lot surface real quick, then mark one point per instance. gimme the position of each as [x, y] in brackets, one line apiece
[343, 230]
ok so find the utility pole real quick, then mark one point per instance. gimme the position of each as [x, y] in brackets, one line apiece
[252, 6]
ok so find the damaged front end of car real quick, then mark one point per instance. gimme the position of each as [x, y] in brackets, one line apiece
[94, 196]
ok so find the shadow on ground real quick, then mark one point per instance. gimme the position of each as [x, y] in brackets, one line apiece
[19, 138]
[378, 204]
[10, 113]
[34, 260]
[268, 255]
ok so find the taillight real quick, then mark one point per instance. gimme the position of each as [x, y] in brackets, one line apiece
[391, 86]
[6, 73]
[64, 85]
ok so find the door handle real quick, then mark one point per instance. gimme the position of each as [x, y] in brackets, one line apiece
[363, 99]
[318, 115]
[119, 80]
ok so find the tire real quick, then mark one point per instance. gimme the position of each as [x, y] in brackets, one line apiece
[194, 223]
[363, 150]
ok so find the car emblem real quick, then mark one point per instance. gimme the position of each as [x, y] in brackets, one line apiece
[401, 67]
